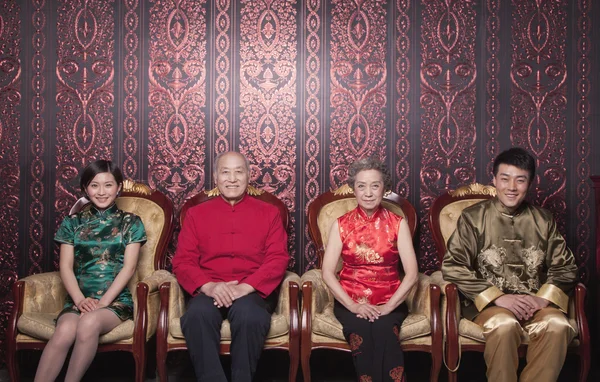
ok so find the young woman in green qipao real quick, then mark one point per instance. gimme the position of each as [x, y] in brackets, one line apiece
[99, 249]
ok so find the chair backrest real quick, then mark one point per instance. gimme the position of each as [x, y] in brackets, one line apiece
[156, 212]
[327, 207]
[265, 196]
[446, 210]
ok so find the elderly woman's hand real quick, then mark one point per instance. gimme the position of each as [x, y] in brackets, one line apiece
[366, 311]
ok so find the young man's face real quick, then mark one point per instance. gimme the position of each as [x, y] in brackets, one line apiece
[511, 184]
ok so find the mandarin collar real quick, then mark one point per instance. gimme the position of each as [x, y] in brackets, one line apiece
[103, 213]
[505, 211]
[364, 215]
[242, 200]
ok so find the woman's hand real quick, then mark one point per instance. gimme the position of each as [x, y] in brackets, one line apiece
[87, 305]
[385, 309]
[366, 311]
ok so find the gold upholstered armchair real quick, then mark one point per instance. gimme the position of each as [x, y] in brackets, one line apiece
[463, 335]
[39, 298]
[320, 329]
[284, 333]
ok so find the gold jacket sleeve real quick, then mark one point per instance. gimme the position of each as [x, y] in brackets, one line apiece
[562, 270]
[458, 265]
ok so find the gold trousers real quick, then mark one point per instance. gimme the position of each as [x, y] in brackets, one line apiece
[549, 334]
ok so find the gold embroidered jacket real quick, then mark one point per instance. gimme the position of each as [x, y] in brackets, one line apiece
[493, 252]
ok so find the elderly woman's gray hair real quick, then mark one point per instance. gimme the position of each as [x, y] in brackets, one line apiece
[369, 164]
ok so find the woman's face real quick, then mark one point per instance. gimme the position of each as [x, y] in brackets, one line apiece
[103, 190]
[368, 188]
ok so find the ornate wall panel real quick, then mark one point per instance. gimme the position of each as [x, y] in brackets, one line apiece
[223, 51]
[448, 73]
[492, 84]
[177, 97]
[85, 93]
[301, 87]
[177, 100]
[358, 84]
[402, 88]
[538, 100]
[268, 97]
[583, 137]
[132, 134]
[37, 137]
[10, 101]
[313, 130]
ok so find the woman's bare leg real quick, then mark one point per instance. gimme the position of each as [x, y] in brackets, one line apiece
[90, 327]
[57, 348]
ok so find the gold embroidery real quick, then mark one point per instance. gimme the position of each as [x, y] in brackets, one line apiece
[368, 254]
[533, 259]
[516, 278]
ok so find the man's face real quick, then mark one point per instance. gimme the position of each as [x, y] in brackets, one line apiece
[511, 184]
[232, 177]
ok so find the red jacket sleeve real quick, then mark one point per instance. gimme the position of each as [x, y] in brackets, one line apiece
[186, 262]
[271, 272]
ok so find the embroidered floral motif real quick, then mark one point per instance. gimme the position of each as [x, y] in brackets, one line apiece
[366, 378]
[367, 254]
[355, 341]
[492, 257]
[521, 277]
[397, 374]
[533, 259]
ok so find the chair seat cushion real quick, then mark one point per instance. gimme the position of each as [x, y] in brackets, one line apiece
[41, 325]
[326, 324]
[474, 332]
[279, 327]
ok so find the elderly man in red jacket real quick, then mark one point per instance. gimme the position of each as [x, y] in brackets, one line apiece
[231, 256]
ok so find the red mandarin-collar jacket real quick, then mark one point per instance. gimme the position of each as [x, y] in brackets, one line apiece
[221, 242]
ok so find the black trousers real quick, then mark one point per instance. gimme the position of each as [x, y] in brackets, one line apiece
[249, 318]
[375, 346]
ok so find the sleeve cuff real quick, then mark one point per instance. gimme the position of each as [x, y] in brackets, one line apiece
[487, 296]
[555, 295]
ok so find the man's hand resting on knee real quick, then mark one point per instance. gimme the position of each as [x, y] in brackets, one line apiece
[222, 292]
[522, 306]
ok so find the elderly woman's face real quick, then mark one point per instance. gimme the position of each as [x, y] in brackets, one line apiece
[368, 188]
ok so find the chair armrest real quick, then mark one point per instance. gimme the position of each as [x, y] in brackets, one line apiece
[155, 279]
[283, 304]
[43, 293]
[577, 312]
[147, 304]
[438, 279]
[419, 298]
[319, 296]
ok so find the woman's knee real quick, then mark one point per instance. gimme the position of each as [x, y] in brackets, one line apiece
[65, 332]
[88, 326]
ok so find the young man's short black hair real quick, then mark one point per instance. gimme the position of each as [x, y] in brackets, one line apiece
[517, 157]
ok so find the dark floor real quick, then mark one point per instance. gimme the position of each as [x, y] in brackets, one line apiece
[326, 365]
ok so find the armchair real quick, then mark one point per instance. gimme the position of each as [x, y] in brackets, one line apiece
[39, 298]
[421, 331]
[284, 333]
[464, 335]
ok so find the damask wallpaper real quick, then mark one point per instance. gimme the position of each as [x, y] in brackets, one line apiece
[436, 88]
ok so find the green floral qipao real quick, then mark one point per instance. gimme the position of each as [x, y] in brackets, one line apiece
[99, 239]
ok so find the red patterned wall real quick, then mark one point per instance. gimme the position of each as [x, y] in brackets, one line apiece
[436, 88]
[11, 81]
